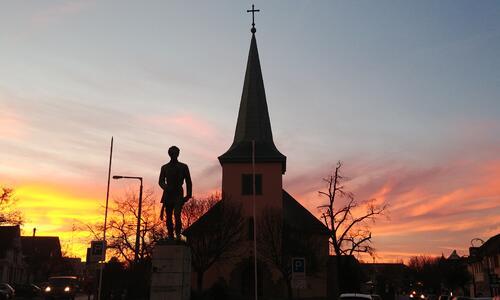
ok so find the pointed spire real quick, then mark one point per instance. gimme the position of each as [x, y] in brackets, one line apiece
[454, 255]
[253, 119]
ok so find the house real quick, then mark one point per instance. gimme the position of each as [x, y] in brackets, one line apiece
[43, 256]
[252, 170]
[12, 267]
[484, 265]
[386, 279]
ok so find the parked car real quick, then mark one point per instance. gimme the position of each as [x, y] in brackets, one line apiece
[418, 295]
[61, 287]
[445, 297]
[27, 290]
[357, 296]
[4, 295]
[8, 289]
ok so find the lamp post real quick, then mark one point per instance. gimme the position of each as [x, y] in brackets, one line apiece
[138, 231]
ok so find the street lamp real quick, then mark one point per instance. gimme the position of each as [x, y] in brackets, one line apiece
[136, 257]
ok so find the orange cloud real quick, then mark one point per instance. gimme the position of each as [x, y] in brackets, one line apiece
[432, 209]
[59, 211]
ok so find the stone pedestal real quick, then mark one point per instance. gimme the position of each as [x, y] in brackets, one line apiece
[171, 277]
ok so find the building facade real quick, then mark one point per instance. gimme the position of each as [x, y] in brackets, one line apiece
[484, 265]
[12, 266]
[43, 257]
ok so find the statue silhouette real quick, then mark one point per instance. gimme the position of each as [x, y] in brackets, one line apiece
[172, 177]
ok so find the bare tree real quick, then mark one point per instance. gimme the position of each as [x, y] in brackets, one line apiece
[122, 222]
[349, 224]
[197, 207]
[9, 214]
[279, 242]
[436, 273]
[214, 237]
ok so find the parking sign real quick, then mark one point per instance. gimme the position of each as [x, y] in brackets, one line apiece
[299, 265]
[299, 273]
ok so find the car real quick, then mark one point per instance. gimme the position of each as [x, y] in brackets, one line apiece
[4, 295]
[8, 290]
[418, 295]
[445, 297]
[61, 287]
[358, 296]
[27, 290]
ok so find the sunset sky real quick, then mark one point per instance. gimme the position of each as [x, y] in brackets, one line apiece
[406, 94]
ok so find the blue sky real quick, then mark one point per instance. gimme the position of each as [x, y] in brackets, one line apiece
[392, 88]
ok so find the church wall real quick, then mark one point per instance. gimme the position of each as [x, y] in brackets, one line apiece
[316, 283]
[272, 185]
[231, 270]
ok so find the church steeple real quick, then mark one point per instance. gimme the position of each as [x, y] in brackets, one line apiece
[253, 119]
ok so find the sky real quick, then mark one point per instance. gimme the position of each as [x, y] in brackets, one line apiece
[406, 94]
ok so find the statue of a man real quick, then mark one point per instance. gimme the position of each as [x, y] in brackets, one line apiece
[172, 176]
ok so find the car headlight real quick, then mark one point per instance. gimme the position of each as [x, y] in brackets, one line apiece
[422, 296]
[67, 289]
[48, 289]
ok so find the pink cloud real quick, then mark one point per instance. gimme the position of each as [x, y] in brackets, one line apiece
[59, 11]
[452, 202]
[11, 125]
[185, 124]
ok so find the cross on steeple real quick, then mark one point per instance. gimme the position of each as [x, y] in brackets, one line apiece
[253, 137]
[253, 11]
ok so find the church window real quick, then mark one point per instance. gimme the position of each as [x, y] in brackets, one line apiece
[247, 184]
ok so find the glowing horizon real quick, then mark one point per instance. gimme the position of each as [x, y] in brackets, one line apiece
[55, 210]
[405, 94]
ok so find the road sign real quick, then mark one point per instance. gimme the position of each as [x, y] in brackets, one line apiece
[97, 251]
[298, 266]
[299, 273]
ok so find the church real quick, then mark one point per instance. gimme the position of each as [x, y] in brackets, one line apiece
[252, 181]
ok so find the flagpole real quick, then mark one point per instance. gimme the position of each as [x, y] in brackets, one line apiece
[254, 221]
[105, 222]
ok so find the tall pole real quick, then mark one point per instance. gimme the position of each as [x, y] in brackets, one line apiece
[254, 221]
[138, 231]
[105, 221]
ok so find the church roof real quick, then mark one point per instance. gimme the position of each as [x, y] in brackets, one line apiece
[294, 215]
[454, 255]
[490, 247]
[253, 119]
[299, 217]
[204, 222]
